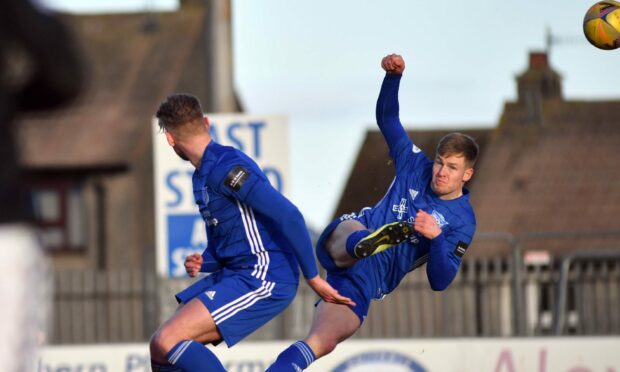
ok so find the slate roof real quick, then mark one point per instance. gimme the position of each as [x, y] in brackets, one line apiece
[129, 71]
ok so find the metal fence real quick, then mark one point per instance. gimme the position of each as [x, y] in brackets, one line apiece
[102, 307]
[575, 295]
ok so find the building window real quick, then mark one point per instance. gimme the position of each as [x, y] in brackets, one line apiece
[60, 215]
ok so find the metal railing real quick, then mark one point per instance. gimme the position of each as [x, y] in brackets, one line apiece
[497, 297]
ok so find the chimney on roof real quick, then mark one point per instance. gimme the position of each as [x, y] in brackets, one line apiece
[191, 3]
[537, 84]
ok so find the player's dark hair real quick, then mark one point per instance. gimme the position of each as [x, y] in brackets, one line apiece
[459, 144]
[178, 109]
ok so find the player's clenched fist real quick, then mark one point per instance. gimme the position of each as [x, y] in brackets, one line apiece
[393, 64]
[426, 225]
[193, 262]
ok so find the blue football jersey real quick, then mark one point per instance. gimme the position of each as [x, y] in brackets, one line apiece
[409, 192]
[239, 238]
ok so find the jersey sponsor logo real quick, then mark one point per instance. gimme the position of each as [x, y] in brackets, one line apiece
[210, 294]
[439, 218]
[415, 149]
[380, 361]
[236, 178]
[348, 216]
[413, 193]
[461, 248]
[400, 208]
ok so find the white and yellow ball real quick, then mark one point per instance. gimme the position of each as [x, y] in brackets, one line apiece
[601, 25]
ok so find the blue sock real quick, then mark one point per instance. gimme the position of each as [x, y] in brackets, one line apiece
[353, 239]
[296, 358]
[192, 356]
[156, 367]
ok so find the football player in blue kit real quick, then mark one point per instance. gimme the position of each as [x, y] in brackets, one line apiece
[425, 217]
[256, 240]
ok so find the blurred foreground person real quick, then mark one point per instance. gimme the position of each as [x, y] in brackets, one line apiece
[425, 217]
[39, 70]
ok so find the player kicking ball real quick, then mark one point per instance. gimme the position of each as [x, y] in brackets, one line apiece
[257, 239]
[425, 217]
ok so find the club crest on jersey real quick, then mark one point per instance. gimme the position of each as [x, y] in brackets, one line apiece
[400, 208]
[439, 218]
[236, 178]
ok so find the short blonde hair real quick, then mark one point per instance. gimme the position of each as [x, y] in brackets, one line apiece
[459, 144]
[177, 111]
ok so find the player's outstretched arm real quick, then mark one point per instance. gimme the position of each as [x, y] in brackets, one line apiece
[289, 221]
[387, 110]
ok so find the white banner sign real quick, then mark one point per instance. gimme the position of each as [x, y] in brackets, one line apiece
[179, 228]
[578, 354]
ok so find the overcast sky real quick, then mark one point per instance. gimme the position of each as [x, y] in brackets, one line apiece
[318, 63]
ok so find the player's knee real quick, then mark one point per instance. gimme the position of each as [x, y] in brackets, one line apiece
[322, 345]
[161, 342]
[327, 347]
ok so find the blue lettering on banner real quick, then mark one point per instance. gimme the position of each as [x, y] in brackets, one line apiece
[379, 361]
[256, 126]
[232, 128]
[213, 132]
[173, 182]
[234, 136]
[174, 189]
[275, 177]
[186, 235]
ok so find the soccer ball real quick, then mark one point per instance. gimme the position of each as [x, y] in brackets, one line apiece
[601, 25]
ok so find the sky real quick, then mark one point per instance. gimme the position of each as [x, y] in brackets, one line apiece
[318, 63]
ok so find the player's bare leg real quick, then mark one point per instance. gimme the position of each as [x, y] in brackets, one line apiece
[336, 243]
[192, 321]
[331, 325]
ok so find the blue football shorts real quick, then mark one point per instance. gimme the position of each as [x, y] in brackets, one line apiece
[239, 303]
[357, 282]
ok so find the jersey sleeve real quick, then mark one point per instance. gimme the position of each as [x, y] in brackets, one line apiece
[209, 263]
[406, 155]
[445, 255]
[235, 176]
[387, 111]
[245, 182]
[288, 220]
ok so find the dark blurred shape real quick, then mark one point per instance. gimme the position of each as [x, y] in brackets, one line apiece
[39, 70]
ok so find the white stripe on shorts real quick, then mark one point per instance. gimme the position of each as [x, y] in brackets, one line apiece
[242, 302]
